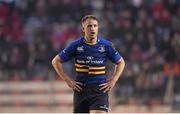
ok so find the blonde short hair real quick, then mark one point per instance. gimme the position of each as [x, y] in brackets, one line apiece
[89, 17]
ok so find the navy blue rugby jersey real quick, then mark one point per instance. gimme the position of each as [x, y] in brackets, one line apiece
[90, 60]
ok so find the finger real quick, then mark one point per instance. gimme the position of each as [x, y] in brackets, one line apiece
[107, 89]
[79, 83]
[103, 84]
[76, 89]
[77, 86]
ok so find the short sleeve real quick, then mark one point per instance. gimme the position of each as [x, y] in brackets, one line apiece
[113, 54]
[68, 53]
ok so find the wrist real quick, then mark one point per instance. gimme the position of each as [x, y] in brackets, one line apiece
[114, 78]
[66, 78]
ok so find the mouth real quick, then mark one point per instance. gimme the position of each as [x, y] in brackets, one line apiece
[92, 33]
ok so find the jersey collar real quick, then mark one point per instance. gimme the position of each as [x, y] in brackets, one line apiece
[98, 39]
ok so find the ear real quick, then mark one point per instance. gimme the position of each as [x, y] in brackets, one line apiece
[83, 29]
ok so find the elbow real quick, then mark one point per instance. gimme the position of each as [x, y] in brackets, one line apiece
[56, 60]
[53, 61]
[121, 62]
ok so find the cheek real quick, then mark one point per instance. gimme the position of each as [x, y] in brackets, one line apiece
[87, 30]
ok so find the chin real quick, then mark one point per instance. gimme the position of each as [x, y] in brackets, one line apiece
[93, 38]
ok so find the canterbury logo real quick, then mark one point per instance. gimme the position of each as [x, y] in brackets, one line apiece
[80, 49]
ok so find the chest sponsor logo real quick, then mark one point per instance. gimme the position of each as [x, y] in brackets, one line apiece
[89, 61]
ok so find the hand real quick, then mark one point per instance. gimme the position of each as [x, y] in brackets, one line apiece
[74, 85]
[108, 86]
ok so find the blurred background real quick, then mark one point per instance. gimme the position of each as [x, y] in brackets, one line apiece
[145, 32]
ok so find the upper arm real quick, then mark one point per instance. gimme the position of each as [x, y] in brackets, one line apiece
[68, 53]
[57, 58]
[121, 61]
[113, 54]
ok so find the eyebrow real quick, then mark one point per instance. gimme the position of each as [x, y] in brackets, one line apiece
[84, 24]
[91, 24]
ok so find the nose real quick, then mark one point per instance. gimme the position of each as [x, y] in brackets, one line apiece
[92, 28]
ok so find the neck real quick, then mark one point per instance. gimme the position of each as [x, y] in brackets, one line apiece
[91, 41]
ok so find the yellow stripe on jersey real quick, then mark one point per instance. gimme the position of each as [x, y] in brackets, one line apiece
[97, 72]
[78, 65]
[97, 68]
[82, 70]
[87, 68]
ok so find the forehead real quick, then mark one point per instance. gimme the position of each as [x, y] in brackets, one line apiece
[90, 22]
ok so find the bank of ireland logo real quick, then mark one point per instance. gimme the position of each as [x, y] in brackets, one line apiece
[101, 49]
[80, 49]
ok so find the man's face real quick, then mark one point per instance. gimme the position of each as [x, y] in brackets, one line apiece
[90, 29]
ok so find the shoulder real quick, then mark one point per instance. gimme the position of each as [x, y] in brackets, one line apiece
[76, 42]
[105, 42]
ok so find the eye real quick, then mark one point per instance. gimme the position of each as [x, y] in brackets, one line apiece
[89, 26]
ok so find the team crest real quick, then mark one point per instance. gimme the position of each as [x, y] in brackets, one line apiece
[101, 49]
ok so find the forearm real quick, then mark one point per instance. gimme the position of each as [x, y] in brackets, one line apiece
[119, 67]
[57, 64]
[116, 75]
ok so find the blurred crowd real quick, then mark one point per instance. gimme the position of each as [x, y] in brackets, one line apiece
[145, 32]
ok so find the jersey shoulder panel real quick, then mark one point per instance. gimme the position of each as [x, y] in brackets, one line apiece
[74, 44]
[105, 42]
[77, 42]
